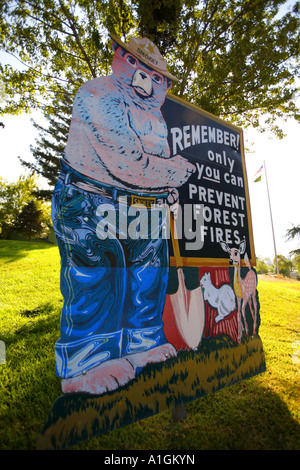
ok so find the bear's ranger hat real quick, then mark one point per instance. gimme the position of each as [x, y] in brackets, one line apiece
[148, 53]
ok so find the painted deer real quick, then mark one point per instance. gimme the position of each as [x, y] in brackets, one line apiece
[245, 289]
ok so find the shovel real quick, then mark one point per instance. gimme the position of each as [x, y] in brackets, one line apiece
[188, 306]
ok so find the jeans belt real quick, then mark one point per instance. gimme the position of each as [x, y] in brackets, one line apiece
[115, 194]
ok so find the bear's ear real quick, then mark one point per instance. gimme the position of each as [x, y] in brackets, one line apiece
[114, 46]
[169, 83]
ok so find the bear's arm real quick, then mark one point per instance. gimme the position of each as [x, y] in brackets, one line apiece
[103, 112]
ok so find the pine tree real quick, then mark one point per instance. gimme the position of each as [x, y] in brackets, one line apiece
[29, 221]
[292, 233]
[49, 148]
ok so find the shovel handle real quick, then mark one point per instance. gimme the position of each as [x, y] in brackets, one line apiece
[175, 244]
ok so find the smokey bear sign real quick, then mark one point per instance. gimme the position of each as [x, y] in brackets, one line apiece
[216, 192]
[152, 219]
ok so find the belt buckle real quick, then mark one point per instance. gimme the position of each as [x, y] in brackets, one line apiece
[142, 201]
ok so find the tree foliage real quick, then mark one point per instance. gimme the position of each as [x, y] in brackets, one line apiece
[285, 265]
[238, 59]
[292, 233]
[30, 221]
[296, 262]
[261, 266]
[234, 58]
[14, 197]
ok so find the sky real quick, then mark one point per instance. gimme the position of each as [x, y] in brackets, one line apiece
[282, 163]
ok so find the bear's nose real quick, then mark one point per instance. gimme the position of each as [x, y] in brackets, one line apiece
[142, 83]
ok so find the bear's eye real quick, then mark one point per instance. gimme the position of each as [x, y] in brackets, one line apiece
[157, 78]
[131, 60]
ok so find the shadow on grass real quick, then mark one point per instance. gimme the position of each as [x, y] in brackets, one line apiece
[244, 416]
[49, 323]
[43, 309]
[28, 380]
[12, 250]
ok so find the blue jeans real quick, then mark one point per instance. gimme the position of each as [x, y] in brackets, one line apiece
[114, 289]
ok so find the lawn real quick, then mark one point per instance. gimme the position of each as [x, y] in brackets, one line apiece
[262, 412]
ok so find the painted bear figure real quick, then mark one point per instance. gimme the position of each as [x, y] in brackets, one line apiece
[114, 288]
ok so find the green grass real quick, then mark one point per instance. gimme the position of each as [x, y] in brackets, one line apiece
[262, 412]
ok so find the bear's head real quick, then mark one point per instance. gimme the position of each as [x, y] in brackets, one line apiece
[137, 78]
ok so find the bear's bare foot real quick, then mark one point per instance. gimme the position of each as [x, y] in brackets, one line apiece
[115, 373]
[104, 378]
[158, 354]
